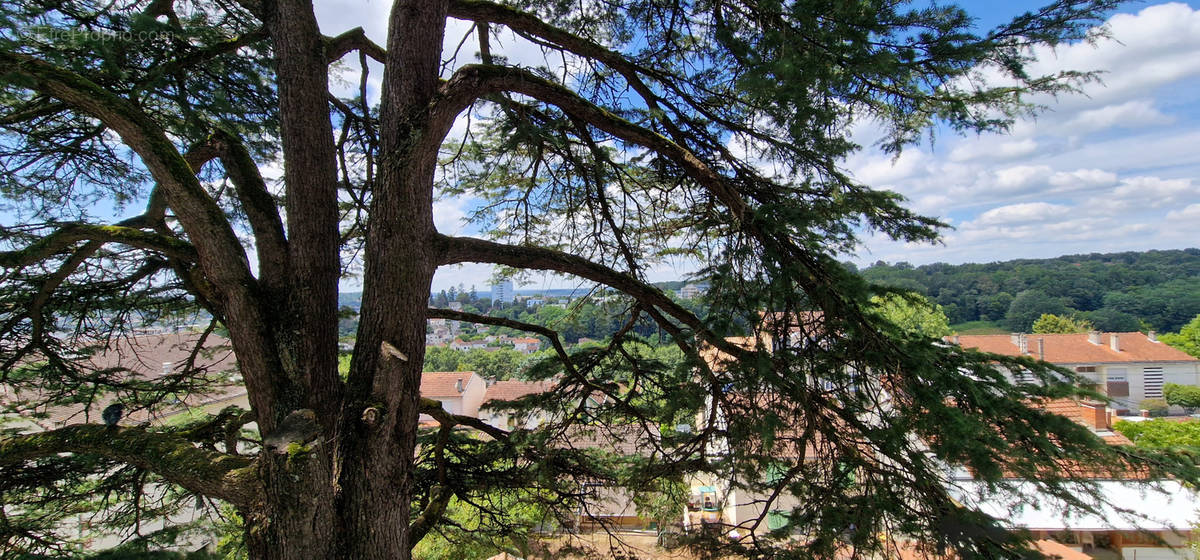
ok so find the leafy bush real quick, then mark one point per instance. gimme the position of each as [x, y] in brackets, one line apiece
[1182, 395]
[1161, 433]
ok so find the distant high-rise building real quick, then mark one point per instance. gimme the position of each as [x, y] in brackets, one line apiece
[502, 292]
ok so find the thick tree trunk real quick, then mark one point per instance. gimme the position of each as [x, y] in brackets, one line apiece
[347, 493]
[376, 473]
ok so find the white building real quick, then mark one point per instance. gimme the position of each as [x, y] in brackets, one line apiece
[1129, 367]
[692, 291]
[502, 292]
[460, 392]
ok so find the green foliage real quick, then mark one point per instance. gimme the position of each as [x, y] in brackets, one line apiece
[1187, 396]
[501, 364]
[602, 171]
[913, 314]
[1111, 320]
[1055, 324]
[474, 532]
[1028, 306]
[1161, 433]
[1142, 286]
[1187, 339]
[978, 327]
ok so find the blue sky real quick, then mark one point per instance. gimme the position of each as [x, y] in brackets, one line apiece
[1114, 169]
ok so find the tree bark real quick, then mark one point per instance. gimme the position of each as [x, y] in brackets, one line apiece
[375, 474]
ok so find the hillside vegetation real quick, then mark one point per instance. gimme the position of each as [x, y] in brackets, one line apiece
[1115, 292]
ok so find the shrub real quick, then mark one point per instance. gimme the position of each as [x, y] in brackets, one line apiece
[1186, 396]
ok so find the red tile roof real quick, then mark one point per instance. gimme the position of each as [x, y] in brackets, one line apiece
[512, 389]
[1076, 349]
[148, 356]
[1073, 410]
[442, 384]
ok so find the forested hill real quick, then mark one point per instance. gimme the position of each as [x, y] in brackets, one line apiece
[1116, 292]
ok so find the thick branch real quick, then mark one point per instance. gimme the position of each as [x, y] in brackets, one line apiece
[472, 82]
[468, 249]
[433, 513]
[434, 409]
[68, 234]
[439, 313]
[353, 40]
[523, 22]
[219, 252]
[209, 473]
[258, 204]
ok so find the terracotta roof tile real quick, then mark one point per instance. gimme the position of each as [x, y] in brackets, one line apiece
[442, 384]
[513, 389]
[1076, 348]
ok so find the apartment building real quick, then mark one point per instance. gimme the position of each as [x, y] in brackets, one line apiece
[1129, 367]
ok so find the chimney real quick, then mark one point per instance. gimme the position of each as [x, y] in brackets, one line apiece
[1153, 336]
[956, 342]
[1042, 349]
[1094, 337]
[1114, 342]
[1015, 338]
[166, 368]
[1023, 344]
[1095, 415]
[458, 385]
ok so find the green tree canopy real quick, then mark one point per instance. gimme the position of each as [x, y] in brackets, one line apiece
[1182, 395]
[1028, 306]
[1187, 339]
[1049, 323]
[914, 314]
[135, 135]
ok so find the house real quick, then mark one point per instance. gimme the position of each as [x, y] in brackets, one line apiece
[527, 345]
[460, 344]
[460, 392]
[692, 291]
[511, 390]
[1140, 518]
[1129, 367]
[148, 357]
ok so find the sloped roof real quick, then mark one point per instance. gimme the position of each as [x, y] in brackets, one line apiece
[1076, 349]
[153, 356]
[513, 389]
[1073, 410]
[441, 384]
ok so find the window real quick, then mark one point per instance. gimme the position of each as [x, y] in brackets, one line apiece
[1117, 385]
[1153, 379]
[1085, 369]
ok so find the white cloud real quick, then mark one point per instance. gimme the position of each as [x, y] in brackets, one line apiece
[1021, 176]
[1189, 214]
[1082, 178]
[1131, 114]
[1020, 214]
[1155, 192]
[994, 147]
